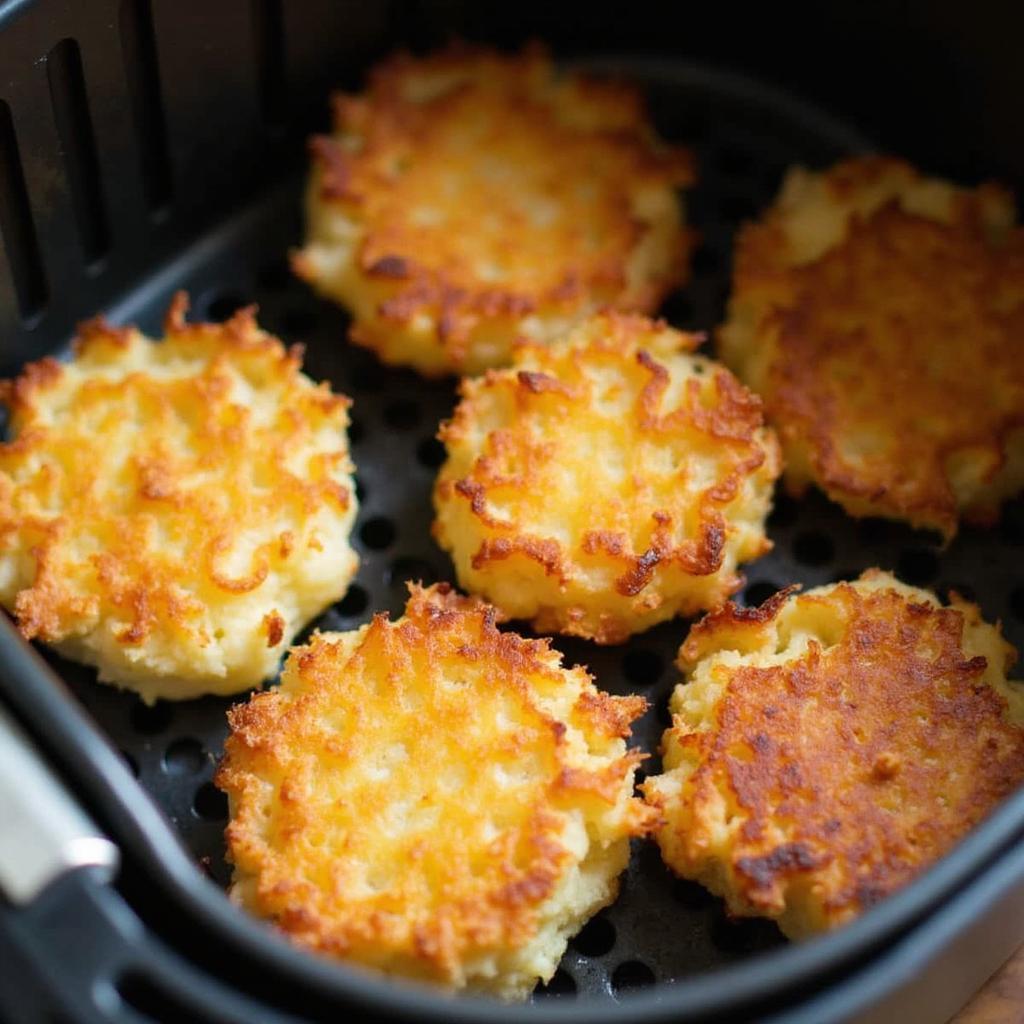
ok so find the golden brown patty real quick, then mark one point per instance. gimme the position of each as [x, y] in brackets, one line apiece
[879, 314]
[828, 747]
[606, 483]
[173, 512]
[432, 798]
[469, 198]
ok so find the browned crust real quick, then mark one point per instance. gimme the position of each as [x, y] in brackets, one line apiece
[127, 577]
[546, 553]
[439, 908]
[905, 751]
[534, 123]
[909, 330]
[274, 625]
[711, 630]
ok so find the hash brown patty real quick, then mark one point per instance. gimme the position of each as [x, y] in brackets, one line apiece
[880, 313]
[829, 746]
[468, 198]
[606, 483]
[432, 798]
[173, 511]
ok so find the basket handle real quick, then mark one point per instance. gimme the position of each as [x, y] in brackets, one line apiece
[44, 834]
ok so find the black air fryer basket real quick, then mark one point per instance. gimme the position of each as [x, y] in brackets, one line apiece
[151, 145]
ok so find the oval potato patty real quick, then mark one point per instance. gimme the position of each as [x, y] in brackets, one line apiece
[468, 198]
[173, 512]
[432, 798]
[827, 747]
[879, 313]
[606, 483]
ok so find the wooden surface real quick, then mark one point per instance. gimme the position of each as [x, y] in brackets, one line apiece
[1001, 1001]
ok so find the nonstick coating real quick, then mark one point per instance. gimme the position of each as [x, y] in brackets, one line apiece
[744, 137]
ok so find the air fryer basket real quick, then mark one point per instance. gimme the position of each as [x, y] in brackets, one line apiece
[662, 935]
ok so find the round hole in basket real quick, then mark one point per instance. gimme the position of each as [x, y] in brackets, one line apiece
[875, 531]
[784, 512]
[739, 934]
[596, 938]
[355, 601]
[814, 548]
[757, 593]
[210, 803]
[298, 322]
[561, 986]
[403, 414]
[378, 533]
[692, 895]
[151, 719]
[409, 568]
[678, 310]
[184, 756]
[274, 276]
[632, 974]
[430, 453]
[918, 566]
[642, 667]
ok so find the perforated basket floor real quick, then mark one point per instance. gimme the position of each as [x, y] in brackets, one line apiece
[744, 136]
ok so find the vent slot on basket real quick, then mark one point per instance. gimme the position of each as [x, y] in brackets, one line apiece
[138, 45]
[78, 143]
[17, 226]
[268, 32]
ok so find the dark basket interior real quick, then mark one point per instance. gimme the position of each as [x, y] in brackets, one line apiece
[132, 248]
[660, 929]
